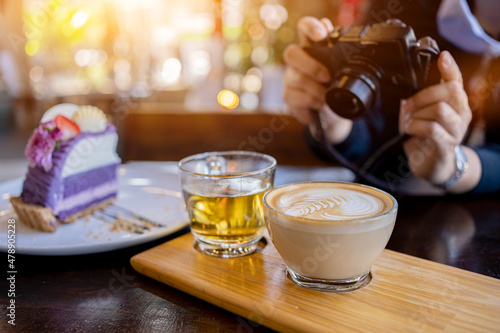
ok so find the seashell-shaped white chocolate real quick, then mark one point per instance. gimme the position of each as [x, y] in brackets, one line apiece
[90, 119]
[64, 109]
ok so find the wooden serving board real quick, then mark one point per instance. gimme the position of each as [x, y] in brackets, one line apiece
[406, 294]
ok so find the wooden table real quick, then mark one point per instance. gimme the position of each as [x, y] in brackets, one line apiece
[102, 292]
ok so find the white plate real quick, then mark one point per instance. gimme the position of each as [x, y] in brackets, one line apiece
[151, 190]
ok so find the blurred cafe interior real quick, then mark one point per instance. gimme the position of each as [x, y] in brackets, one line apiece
[175, 77]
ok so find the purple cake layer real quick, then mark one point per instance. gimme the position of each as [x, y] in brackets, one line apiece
[63, 215]
[49, 189]
[42, 190]
[82, 198]
[82, 181]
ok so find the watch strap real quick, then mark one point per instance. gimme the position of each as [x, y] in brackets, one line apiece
[461, 168]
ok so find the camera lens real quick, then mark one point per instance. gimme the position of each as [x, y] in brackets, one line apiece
[352, 92]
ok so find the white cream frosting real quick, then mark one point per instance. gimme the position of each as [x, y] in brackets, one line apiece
[91, 153]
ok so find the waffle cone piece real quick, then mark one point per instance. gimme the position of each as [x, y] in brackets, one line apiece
[37, 217]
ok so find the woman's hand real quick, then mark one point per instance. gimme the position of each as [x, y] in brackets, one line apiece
[437, 118]
[305, 79]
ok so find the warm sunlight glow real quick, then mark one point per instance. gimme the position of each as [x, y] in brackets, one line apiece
[79, 19]
[206, 54]
[32, 47]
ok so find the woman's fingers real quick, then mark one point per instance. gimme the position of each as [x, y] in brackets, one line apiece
[328, 24]
[310, 29]
[304, 81]
[430, 129]
[441, 113]
[296, 98]
[450, 92]
[301, 61]
[449, 69]
[301, 93]
[299, 81]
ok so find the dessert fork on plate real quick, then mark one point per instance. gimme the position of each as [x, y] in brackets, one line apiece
[124, 219]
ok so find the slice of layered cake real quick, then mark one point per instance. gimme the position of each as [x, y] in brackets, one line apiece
[73, 167]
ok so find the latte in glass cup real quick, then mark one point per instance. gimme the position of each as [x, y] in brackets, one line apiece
[329, 234]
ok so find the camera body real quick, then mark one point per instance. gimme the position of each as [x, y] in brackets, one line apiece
[377, 61]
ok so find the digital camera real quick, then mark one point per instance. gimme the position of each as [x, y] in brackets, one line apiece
[377, 61]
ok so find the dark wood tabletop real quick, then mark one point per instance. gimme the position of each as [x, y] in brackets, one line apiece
[102, 292]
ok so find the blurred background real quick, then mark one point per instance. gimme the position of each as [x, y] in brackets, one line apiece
[189, 59]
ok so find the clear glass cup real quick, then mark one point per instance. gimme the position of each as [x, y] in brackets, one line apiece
[329, 234]
[223, 193]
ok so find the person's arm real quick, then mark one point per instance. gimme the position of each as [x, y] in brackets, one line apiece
[489, 159]
[365, 135]
[354, 148]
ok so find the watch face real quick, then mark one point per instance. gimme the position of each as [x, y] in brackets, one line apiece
[462, 165]
[461, 160]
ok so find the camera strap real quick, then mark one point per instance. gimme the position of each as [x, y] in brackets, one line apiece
[362, 172]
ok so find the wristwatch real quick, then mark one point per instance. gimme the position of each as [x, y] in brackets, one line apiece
[462, 166]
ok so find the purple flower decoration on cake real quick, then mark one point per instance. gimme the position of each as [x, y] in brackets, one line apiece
[41, 145]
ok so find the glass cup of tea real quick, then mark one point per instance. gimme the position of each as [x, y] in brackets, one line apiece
[223, 193]
[329, 234]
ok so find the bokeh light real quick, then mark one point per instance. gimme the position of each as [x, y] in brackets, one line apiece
[89, 57]
[251, 83]
[233, 19]
[232, 55]
[260, 54]
[199, 62]
[232, 81]
[255, 71]
[256, 31]
[36, 74]
[273, 15]
[228, 99]
[139, 47]
[32, 47]
[171, 70]
[249, 101]
[79, 18]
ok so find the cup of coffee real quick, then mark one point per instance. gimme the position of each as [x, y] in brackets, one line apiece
[329, 233]
[223, 193]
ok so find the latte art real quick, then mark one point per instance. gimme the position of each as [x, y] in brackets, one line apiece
[334, 204]
[326, 202]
